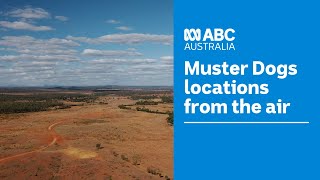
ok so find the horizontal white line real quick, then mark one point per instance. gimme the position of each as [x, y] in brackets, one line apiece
[255, 122]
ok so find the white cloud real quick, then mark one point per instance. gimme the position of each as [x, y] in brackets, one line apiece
[29, 13]
[90, 72]
[131, 38]
[27, 17]
[113, 21]
[30, 45]
[27, 57]
[56, 61]
[20, 25]
[129, 62]
[61, 18]
[124, 28]
[110, 53]
[131, 49]
[46, 51]
[167, 59]
[36, 63]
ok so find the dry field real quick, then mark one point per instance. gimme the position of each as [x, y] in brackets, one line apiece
[95, 140]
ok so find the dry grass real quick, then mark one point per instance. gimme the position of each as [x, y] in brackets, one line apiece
[132, 141]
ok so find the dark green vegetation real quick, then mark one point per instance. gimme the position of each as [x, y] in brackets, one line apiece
[150, 111]
[48, 97]
[122, 106]
[167, 99]
[39, 102]
[30, 106]
[157, 172]
[21, 100]
[146, 103]
[146, 98]
[136, 94]
[140, 97]
[170, 118]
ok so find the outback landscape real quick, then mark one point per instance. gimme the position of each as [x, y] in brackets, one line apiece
[86, 133]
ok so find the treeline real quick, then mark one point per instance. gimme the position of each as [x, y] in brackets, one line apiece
[169, 118]
[29, 106]
[150, 111]
[147, 98]
[144, 109]
[48, 97]
[39, 102]
[136, 94]
[146, 103]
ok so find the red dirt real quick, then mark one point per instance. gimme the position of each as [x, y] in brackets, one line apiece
[61, 144]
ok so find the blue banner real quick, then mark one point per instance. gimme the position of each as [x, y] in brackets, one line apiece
[246, 90]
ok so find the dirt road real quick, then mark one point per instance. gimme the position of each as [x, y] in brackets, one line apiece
[54, 139]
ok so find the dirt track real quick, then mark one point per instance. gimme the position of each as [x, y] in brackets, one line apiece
[54, 139]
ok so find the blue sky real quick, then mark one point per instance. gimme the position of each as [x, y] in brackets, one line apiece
[83, 43]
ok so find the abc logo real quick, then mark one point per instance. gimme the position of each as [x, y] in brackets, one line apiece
[218, 34]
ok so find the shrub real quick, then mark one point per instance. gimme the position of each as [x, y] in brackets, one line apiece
[143, 109]
[98, 146]
[170, 118]
[122, 106]
[136, 160]
[153, 170]
[115, 153]
[124, 157]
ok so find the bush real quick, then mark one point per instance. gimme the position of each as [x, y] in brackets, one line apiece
[98, 146]
[124, 157]
[122, 106]
[142, 109]
[170, 118]
[136, 160]
[153, 170]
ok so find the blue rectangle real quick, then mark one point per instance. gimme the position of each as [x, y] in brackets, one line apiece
[272, 32]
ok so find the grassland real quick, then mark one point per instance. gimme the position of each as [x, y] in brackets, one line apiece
[86, 134]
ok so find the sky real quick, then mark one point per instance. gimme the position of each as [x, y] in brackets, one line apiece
[86, 43]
